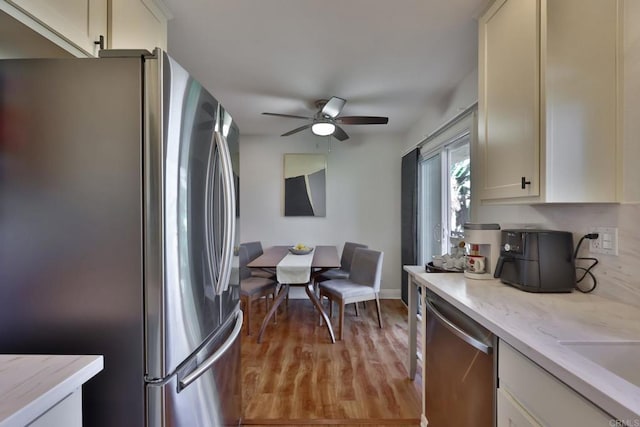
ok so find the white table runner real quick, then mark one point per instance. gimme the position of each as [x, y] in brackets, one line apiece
[294, 269]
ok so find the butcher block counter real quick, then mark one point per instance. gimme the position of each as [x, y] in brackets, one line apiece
[44, 390]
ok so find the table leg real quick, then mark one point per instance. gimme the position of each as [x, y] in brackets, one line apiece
[412, 320]
[312, 296]
[284, 290]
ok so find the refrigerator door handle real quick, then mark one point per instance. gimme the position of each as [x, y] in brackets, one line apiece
[229, 213]
[209, 243]
[204, 366]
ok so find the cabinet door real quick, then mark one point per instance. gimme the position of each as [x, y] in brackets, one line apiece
[581, 62]
[66, 413]
[80, 22]
[137, 24]
[511, 414]
[509, 100]
[543, 395]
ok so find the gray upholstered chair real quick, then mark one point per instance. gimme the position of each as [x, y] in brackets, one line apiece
[254, 250]
[252, 288]
[345, 263]
[363, 284]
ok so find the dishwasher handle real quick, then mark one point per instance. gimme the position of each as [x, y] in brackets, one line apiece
[457, 331]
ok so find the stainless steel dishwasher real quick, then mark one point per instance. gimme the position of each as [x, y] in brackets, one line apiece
[460, 367]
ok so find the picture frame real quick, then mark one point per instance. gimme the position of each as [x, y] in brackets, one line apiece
[305, 184]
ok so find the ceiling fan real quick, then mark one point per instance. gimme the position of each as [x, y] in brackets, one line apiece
[325, 122]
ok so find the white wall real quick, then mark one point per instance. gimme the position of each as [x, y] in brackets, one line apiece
[363, 196]
[617, 276]
[464, 95]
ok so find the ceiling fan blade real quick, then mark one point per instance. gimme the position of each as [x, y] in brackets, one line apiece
[291, 116]
[333, 106]
[362, 120]
[296, 130]
[340, 134]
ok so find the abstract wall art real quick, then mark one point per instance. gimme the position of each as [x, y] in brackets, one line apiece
[305, 184]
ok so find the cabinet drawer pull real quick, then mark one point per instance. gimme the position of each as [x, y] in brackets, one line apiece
[524, 182]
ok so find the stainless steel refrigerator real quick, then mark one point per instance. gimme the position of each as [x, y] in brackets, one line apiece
[118, 190]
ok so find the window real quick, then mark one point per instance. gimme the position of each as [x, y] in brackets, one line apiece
[444, 189]
[459, 189]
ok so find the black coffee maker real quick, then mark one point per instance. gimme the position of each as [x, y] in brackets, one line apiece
[537, 260]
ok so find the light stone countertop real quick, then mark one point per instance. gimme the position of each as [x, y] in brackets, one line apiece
[32, 384]
[534, 323]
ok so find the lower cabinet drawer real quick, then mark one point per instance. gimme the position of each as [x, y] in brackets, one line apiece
[511, 414]
[548, 400]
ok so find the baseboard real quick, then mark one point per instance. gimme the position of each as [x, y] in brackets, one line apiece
[389, 293]
[300, 293]
[349, 422]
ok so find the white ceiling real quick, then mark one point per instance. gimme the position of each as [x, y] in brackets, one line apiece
[385, 57]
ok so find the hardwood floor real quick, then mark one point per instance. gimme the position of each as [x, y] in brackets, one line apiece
[297, 377]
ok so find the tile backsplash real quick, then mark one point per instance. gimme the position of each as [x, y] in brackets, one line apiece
[618, 276]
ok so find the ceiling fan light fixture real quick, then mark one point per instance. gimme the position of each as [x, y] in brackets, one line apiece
[328, 121]
[323, 128]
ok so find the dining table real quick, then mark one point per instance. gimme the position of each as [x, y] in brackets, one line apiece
[324, 258]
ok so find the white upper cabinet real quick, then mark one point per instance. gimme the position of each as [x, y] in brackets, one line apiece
[78, 25]
[137, 24]
[549, 101]
[78, 22]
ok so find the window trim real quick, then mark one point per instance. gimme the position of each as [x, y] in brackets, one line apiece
[461, 127]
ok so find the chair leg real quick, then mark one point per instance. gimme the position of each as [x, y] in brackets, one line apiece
[378, 310]
[266, 303]
[248, 313]
[357, 312]
[319, 315]
[275, 314]
[341, 320]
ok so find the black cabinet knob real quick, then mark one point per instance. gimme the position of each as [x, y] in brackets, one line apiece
[524, 183]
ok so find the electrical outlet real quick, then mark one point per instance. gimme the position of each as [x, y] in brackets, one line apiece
[607, 241]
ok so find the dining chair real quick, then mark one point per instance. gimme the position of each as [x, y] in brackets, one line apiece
[252, 287]
[254, 250]
[345, 263]
[363, 284]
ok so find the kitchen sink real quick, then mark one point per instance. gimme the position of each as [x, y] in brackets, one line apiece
[620, 357]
